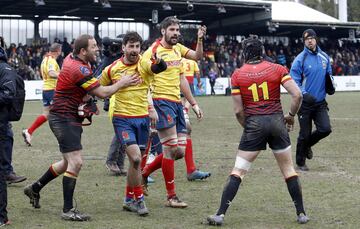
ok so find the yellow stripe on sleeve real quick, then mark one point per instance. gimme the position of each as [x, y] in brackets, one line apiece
[235, 91]
[285, 78]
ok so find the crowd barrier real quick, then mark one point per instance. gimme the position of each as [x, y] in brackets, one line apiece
[342, 83]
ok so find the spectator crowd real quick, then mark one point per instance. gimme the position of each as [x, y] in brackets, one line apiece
[220, 60]
[226, 56]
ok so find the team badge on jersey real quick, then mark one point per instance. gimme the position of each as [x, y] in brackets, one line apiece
[169, 119]
[84, 70]
[324, 64]
[51, 67]
[125, 135]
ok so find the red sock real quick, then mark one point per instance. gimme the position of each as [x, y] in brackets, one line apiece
[129, 192]
[155, 165]
[169, 176]
[138, 192]
[189, 160]
[38, 122]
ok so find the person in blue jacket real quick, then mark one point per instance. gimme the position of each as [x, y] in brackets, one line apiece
[310, 70]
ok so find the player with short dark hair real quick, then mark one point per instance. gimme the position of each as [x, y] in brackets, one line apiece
[75, 83]
[132, 113]
[257, 106]
[49, 72]
[166, 96]
[191, 70]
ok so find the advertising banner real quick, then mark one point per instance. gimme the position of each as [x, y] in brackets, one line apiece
[202, 89]
[342, 83]
[33, 89]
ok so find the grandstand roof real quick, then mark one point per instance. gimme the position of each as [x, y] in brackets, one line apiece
[204, 10]
[241, 18]
[290, 19]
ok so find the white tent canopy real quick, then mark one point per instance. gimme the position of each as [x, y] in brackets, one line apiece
[296, 12]
[293, 12]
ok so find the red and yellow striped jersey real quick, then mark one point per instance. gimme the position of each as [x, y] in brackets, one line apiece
[190, 68]
[130, 101]
[49, 64]
[166, 84]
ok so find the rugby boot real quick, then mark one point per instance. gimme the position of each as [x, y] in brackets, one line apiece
[198, 175]
[74, 215]
[33, 196]
[175, 202]
[215, 220]
[302, 218]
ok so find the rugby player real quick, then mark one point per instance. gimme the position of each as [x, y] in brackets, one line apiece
[257, 106]
[191, 70]
[166, 96]
[49, 72]
[75, 83]
[133, 112]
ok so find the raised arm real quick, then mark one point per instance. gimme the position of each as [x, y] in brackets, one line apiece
[198, 53]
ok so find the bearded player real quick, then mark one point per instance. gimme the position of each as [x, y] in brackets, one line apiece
[166, 96]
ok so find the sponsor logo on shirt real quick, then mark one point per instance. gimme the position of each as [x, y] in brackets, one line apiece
[173, 63]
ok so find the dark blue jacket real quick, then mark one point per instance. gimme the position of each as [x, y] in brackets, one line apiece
[309, 70]
[7, 88]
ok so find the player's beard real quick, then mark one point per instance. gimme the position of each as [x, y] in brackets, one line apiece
[171, 40]
[91, 57]
[132, 57]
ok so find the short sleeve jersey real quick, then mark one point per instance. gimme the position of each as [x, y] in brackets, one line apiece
[49, 64]
[74, 82]
[259, 87]
[130, 101]
[166, 84]
[190, 68]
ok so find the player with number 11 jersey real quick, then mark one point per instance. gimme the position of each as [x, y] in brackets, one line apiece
[260, 90]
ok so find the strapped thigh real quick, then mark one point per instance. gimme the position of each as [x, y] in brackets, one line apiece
[182, 142]
[169, 142]
[242, 164]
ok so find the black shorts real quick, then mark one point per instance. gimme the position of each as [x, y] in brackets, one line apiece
[262, 129]
[67, 131]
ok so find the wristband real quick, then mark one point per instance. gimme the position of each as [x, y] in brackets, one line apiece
[193, 104]
[292, 115]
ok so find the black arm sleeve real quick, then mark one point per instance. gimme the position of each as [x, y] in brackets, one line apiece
[157, 68]
[7, 85]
